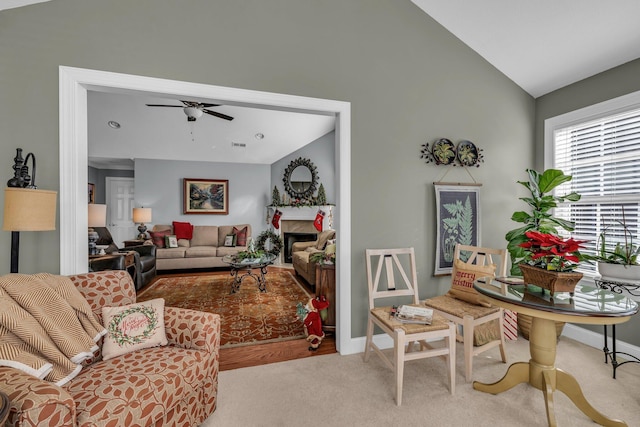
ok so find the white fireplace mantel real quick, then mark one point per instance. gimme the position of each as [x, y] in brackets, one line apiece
[303, 213]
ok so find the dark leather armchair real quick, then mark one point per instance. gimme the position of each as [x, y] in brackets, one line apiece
[107, 262]
[146, 267]
[145, 259]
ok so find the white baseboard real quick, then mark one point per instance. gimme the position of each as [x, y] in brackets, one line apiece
[582, 335]
[596, 340]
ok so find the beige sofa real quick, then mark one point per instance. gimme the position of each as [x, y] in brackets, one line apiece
[301, 251]
[204, 250]
[174, 385]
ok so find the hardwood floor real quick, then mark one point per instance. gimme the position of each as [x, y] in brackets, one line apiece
[262, 354]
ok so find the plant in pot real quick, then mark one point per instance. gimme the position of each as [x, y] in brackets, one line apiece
[617, 253]
[541, 201]
[550, 261]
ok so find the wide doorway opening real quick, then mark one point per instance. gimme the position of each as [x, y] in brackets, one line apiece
[74, 84]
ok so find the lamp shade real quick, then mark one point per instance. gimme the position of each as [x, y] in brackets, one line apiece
[97, 215]
[29, 209]
[141, 215]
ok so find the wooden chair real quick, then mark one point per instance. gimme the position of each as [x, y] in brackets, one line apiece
[469, 316]
[405, 336]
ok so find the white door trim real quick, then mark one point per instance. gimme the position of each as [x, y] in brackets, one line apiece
[73, 86]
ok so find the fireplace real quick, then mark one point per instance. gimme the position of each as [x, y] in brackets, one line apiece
[291, 237]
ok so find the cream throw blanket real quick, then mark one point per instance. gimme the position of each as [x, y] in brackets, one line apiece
[47, 328]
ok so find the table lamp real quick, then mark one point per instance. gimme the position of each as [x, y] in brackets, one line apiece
[96, 217]
[25, 207]
[142, 215]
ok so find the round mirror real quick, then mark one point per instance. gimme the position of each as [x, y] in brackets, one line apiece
[300, 179]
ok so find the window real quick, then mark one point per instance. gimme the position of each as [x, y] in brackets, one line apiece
[599, 147]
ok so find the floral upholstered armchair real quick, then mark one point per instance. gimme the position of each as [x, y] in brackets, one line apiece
[169, 385]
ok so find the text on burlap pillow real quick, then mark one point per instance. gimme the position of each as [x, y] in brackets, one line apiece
[462, 278]
[133, 327]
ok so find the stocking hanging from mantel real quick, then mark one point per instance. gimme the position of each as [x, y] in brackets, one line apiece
[317, 223]
[275, 221]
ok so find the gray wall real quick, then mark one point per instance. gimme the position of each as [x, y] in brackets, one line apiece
[409, 81]
[322, 154]
[159, 185]
[98, 178]
[602, 87]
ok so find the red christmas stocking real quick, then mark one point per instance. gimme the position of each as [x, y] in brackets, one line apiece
[276, 219]
[317, 223]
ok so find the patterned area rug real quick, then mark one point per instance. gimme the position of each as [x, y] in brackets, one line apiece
[248, 316]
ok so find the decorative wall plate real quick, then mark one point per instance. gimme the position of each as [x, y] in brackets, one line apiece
[467, 153]
[443, 151]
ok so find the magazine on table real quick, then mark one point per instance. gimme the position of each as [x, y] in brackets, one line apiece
[412, 314]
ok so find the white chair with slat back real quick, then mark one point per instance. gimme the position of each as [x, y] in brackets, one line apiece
[464, 306]
[410, 341]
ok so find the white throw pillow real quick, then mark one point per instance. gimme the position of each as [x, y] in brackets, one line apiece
[133, 327]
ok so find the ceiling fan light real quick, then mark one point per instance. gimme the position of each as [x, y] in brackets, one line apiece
[192, 113]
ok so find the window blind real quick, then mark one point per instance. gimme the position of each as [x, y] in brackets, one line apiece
[603, 158]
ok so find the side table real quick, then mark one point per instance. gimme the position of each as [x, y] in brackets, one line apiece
[618, 288]
[133, 242]
[326, 285]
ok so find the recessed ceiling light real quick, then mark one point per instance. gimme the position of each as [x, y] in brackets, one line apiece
[113, 124]
[259, 136]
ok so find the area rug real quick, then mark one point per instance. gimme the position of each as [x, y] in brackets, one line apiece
[247, 316]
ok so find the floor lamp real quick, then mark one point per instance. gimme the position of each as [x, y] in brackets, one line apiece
[25, 207]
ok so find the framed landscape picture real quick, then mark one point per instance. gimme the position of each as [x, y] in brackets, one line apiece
[206, 196]
[458, 221]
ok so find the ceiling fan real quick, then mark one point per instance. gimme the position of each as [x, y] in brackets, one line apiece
[194, 110]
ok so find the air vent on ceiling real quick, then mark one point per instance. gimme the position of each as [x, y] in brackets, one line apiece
[238, 145]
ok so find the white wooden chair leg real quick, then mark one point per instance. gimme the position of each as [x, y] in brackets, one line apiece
[367, 344]
[503, 352]
[398, 348]
[451, 357]
[467, 331]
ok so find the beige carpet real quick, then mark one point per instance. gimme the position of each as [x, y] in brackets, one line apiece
[334, 390]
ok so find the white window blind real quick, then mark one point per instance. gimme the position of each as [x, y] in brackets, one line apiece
[603, 157]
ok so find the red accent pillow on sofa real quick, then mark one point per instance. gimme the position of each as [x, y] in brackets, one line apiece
[157, 237]
[183, 230]
[241, 236]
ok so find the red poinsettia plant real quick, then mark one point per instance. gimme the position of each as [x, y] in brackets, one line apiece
[552, 252]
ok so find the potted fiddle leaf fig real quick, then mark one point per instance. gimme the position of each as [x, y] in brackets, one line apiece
[528, 249]
[539, 218]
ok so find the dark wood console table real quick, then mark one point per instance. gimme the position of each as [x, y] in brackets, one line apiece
[326, 285]
[618, 288]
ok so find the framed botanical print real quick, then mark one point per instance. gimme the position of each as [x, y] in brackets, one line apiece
[458, 221]
[206, 196]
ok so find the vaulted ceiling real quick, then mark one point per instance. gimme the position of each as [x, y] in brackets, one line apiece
[541, 45]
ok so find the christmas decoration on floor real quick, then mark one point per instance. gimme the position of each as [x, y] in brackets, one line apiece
[311, 315]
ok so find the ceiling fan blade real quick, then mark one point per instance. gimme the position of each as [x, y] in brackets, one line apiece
[220, 115]
[162, 105]
[195, 104]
